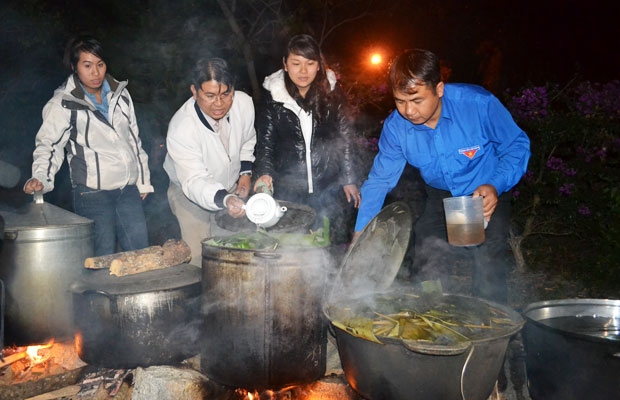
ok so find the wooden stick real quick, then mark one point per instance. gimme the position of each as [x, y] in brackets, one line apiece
[8, 360]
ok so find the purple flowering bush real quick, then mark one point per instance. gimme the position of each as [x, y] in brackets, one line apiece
[567, 206]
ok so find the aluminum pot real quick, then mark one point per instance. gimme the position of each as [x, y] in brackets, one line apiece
[573, 349]
[145, 319]
[43, 251]
[411, 370]
[263, 321]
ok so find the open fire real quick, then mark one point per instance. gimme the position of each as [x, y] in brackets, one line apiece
[29, 370]
[29, 355]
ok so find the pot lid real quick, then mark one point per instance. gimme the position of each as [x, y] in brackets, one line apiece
[39, 214]
[373, 260]
[297, 218]
[170, 278]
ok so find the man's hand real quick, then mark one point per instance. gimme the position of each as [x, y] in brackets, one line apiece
[234, 205]
[352, 193]
[243, 186]
[33, 185]
[489, 199]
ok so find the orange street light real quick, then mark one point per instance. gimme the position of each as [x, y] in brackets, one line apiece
[376, 59]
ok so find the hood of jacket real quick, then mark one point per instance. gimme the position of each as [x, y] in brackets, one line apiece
[274, 83]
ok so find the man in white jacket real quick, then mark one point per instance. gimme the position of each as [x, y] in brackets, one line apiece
[210, 143]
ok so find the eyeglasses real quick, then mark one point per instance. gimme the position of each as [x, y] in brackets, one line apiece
[211, 98]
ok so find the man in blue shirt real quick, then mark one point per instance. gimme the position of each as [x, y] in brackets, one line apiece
[464, 142]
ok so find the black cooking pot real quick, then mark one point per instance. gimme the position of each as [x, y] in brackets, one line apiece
[263, 322]
[144, 319]
[573, 349]
[399, 369]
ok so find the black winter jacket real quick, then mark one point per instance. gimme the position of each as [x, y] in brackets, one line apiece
[281, 150]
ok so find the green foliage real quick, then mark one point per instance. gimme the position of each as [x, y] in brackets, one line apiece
[571, 191]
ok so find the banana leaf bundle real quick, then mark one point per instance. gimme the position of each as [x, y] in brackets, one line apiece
[261, 240]
[428, 318]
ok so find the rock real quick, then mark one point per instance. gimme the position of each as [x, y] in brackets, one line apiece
[168, 383]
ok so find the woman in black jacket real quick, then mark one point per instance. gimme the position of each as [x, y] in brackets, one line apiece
[304, 132]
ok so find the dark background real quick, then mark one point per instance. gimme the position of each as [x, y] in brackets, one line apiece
[152, 43]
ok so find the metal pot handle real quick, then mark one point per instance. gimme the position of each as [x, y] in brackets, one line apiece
[10, 235]
[467, 362]
[38, 197]
[96, 291]
[436, 350]
[112, 304]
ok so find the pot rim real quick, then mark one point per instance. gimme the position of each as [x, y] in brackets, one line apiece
[171, 279]
[438, 349]
[544, 310]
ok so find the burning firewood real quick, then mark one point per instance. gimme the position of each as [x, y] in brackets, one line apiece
[173, 252]
[12, 358]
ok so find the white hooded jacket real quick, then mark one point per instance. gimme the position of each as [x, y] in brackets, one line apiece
[102, 154]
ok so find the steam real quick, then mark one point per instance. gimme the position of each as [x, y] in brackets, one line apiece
[285, 276]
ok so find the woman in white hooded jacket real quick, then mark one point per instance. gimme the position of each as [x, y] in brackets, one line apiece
[91, 117]
[304, 151]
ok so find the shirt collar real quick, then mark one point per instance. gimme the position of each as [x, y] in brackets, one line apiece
[207, 120]
[105, 89]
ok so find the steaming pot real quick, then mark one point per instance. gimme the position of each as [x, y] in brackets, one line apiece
[263, 324]
[405, 370]
[44, 249]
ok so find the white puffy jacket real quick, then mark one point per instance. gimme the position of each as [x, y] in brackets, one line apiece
[102, 155]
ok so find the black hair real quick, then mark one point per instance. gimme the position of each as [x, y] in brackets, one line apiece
[212, 69]
[319, 91]
[415, 67]
[79, 44]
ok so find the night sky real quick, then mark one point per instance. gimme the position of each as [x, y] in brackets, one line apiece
[493, 42]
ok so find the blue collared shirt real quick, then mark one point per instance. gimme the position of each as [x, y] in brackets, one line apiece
[104, 106]
[475, 142]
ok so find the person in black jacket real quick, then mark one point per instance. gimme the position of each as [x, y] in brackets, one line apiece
[304, 148]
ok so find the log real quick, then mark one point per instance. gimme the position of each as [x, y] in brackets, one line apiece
[101, 262]
[173, 252]
[60, 394]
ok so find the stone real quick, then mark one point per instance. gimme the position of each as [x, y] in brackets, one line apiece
[169, 383]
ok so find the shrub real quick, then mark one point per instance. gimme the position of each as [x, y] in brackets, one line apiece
[567, 206]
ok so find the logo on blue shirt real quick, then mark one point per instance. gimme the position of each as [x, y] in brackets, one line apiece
[469, 152]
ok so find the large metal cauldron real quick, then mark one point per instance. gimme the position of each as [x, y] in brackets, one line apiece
[264, 327]
[44, 249]
[573, 349]
[412, 370]
[144, 319]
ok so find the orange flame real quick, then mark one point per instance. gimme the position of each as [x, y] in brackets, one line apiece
[33, 352]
